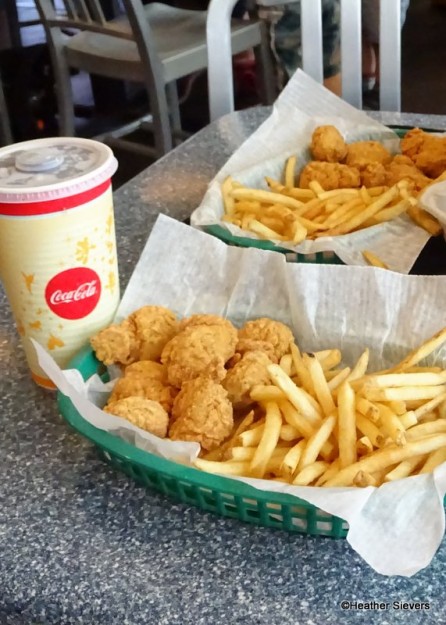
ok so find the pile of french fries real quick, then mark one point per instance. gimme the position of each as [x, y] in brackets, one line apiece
[321, 424]
[285, 212]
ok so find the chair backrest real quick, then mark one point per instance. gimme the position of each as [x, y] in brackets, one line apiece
[219, 51]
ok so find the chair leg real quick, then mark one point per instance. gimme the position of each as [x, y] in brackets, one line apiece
[64, 95]
[265, 69]
[5, 128]
[174, 106]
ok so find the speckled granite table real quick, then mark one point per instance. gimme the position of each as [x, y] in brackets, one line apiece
[80, 543]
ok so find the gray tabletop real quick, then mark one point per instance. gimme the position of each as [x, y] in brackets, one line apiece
[81, 543]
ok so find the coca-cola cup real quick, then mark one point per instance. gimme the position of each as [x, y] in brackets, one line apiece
[58, 259]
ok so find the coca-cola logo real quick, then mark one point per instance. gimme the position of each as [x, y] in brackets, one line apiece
[73, 293]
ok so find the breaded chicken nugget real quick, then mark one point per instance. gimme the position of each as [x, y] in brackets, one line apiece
[432, 162]
[204, 320]
[330, 176]
[154, 327]
[147, 369]
[402, 168]
[141, 386]
[199, 350]
[373, 175]
[273, 332]
[203, 413]
[362, 153]
[144, 413]
[116, 344]
[327, 144]
[247, 373]
[415, 141]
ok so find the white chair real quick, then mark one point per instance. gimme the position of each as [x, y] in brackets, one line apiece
[155, 44]
[5, 127]
[221, 97]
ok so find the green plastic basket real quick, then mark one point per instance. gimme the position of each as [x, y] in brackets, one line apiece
[211, 493]
[321, 258]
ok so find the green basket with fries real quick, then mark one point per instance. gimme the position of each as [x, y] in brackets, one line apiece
[211, 493]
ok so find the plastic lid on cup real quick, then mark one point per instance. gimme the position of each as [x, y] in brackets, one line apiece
[57, 167]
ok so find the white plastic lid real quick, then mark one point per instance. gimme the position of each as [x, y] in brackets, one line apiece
[46, 169]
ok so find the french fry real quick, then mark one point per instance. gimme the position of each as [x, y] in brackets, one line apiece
[266, 196]
[426, 429]
[316, 442]
[363, 479]
[364, 446]
[368, 409]
[301, 370]
[434, 460]
[369, 429]
[332, 469]
[408, 419]
[425, 220]
[291, 459]
[289, 171]
[398, 407]
[294, 418]
[316, 187]
[286, 363]
[224, 468]
[390, 213]
[391, 425]
[323, 393]
[263, 231]
[429, 406]
[342, 194]
[365, 196]
[405, 393]
[423, 351]
[403, 469]
[406, 379]
[386, 457]
[338, 379]
[373, 260]
[310, 473]
[297, 396]
[228, 201]
[346, 425]
[249, 438]
[289, 433]
[331, 359]
[360, 367]
[267, 393]
[268, 442]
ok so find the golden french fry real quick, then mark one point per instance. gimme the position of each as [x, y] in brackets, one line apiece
[294, 418]
[252, 437]
[408, 419]
[310, 473]
[267, 197]
[228, 201]
[322, 391]
[368, 409]
[331, 359]
[289, 171]
[244, 424]
[403, 469]
[390, 213]
[291, 459]
[391, 425]
[398, 407]
[316, 442]
[369, 429]
[241, 454]
[422, 351]
[386, 457]
[346, 425]
[425, 220]
[360, 367]
[373, 260]
[297, 396]
[316, 187]
[289, 433]
[268, 442]
[224, 468]
[434, 460]
[286, 363]
[426, 429]
[406, 379]
[365, 196]
[363, 479]
[301, 370]
[364, 446]
[263, 231]
[429, 406]
[342, 194]
[267, 393]
[338, 379]
[406, 393]
[332, 469]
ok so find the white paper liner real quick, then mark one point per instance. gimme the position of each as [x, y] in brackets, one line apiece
[327, 306]
[301, 107]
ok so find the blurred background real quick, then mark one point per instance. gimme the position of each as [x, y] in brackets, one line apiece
[102, 104]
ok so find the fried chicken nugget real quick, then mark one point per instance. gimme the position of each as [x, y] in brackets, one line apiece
[273, 332]
[327, 144]
[154, 327]
[330, 176]
[144, 413]
[416, 141]
[137, 385]
[432, 162]
[199, 350]
[361, 153]
[203, 413]
[204, 320]
[402, 168]
[148, 369]
[247, 373]
[373, 175]
[116, 344]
